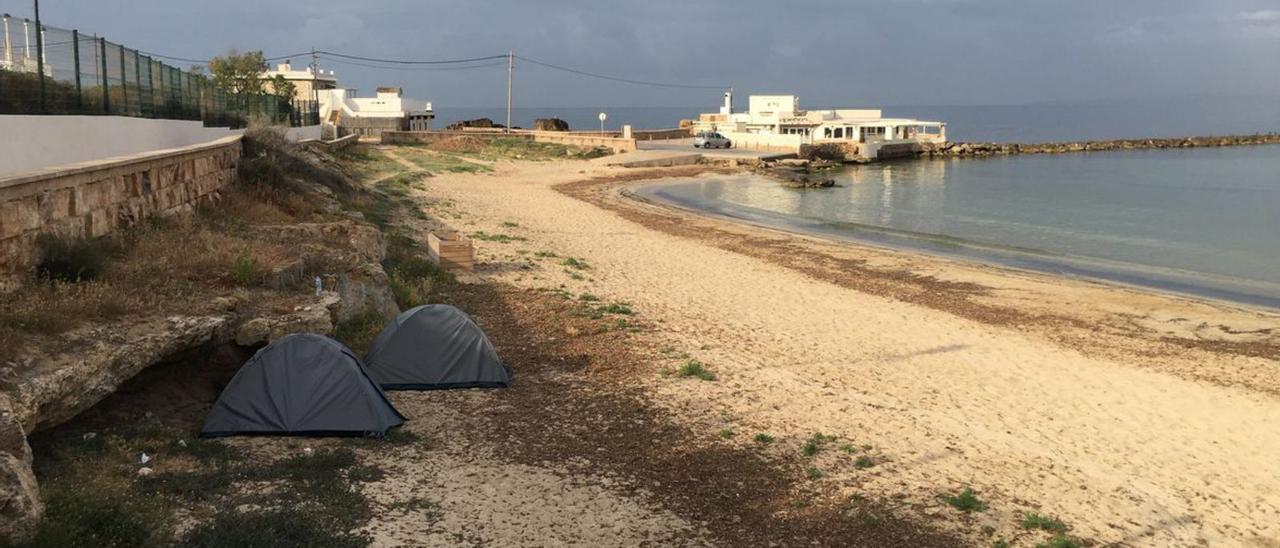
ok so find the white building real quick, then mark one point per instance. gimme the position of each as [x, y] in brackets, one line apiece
[388, 110]
[777, 122]
[20, 55]
[305, 80]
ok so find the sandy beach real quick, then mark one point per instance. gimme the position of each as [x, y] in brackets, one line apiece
[1134, 417]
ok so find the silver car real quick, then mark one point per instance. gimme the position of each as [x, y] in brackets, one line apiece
[711, 139]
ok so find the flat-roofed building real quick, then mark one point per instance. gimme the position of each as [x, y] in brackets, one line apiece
[865, 132]
[388, 109]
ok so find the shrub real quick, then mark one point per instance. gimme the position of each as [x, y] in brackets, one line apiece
[245, 269]
[763, 438]
[358, 332]
[71, 259]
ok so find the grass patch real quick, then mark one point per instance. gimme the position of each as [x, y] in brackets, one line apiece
[578, 264]
[1059, 541]
[1032, 521]
[273, 528]
[545, 255]
[966, 501]
[510, 224]
[694, 368]
[863, 462]
[530, 150]
[501, 238]
[727, 433]
[366, 162]
[587, 297]
[815, 443]
[399, 185]
[813, 473]
[88, 514]
[617, 308]
[440, 162]
[763, 438]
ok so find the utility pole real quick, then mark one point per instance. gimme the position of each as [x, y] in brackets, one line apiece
[315, 93]
[511, 64]
[40, 55]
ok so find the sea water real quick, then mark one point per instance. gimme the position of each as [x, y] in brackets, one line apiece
[1199, 221]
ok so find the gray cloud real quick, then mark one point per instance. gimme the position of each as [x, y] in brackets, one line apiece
[830, 52]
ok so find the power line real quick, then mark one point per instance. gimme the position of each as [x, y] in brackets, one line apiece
[414, 69]
[618, 79]
[404, 62]
[206, 61]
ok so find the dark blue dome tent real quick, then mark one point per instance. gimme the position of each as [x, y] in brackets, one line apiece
[435, 346]
[304, 385]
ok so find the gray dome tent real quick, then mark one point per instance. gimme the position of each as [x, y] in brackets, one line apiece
[435, 346]
[302, 384]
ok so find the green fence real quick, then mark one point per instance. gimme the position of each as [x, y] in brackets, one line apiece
[90, 75]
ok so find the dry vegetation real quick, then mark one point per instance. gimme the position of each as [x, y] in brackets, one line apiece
[178, 264]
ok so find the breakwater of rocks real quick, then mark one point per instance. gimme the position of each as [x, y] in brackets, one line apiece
[990, 149]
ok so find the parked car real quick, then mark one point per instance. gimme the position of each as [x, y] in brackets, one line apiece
[711, 139]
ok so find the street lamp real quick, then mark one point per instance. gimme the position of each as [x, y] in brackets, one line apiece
[602, 118]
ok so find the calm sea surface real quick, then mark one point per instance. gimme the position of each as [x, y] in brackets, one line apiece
[1198, 221]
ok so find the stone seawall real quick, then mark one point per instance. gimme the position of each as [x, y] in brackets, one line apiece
[990, 149]
[94, 198]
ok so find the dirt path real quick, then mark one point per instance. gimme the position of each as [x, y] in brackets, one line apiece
[1120, 449]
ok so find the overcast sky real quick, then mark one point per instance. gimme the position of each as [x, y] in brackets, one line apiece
[830, 52]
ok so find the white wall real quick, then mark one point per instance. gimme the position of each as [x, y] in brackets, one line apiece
[29, 142]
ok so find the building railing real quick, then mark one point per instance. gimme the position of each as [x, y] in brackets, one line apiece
[90, 75]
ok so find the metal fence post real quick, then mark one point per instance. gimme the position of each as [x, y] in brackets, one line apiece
[75, 50]
[106, 91]
[137, 78]
[124, 85]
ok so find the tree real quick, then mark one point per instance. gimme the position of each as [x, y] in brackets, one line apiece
[238, 73]
[281, 87]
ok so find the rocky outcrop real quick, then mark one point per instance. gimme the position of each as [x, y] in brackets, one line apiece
[550, 124]
[20, 506]
[315, 317]
[476, 123]
[799, 174]
[991, 149]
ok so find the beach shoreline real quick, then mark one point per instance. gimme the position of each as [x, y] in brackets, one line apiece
[1065, 397]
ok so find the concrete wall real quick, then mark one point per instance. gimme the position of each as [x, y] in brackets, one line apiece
[35, 142]
[766, 142]
[411, 137]
[38, 142]
[94, 198]
[586, 140]
[661, 134]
